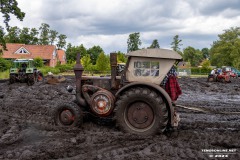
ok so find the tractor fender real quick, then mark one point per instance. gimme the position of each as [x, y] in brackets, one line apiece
[155, 87]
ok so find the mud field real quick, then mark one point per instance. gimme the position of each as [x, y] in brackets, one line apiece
[26, 130]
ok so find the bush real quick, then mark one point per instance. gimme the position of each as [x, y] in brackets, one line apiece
[47, 69]
[195, 70]
[38, 62]
[65, 67]
[56, 70]
[4, 64]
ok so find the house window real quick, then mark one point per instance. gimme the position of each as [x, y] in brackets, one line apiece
[22, 51]
[146, 68]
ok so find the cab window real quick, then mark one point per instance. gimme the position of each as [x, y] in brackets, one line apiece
[146, 68]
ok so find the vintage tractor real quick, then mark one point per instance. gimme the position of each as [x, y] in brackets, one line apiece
[23, 70]
[135, 100]
[221, 75]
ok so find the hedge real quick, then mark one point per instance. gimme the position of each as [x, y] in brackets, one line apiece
[196, 70]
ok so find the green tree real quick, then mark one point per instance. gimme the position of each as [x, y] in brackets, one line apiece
[192, 55]
[206, 64]
[4, 64]
[25, 36]
[8, 7]
[34, 36]
[94, 53]
[155, 44]
[103, 63]
[71, 52]
[2, 40]
[121, 57]
[44, 34]
[225, 51]
[176, 43]
[38, 62]
[133, 42]
[13, 35]
[52, 36]
[86, 62]
[205, 52]
[61, 41]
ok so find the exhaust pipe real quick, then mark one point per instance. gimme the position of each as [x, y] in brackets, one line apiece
[113, 62]
[78, 70]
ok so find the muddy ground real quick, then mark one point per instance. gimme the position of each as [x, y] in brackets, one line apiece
[26, 132]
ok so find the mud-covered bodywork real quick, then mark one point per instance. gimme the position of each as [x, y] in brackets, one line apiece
[23, 70]
[134, 99]
[147, 68]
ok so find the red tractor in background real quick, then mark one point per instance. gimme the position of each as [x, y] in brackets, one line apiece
[230, 71]
[221, 75]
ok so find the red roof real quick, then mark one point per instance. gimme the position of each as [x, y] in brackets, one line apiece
[42, 51]
[61, 55]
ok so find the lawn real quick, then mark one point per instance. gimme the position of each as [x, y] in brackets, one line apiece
[4, 75]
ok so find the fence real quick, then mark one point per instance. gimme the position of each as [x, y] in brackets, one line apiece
[184, 72]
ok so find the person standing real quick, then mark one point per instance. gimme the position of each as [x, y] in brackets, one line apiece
[170, 84]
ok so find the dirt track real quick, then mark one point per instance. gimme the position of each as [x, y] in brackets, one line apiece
[32, 136]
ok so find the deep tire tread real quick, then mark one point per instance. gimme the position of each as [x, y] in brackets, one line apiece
[162, 117]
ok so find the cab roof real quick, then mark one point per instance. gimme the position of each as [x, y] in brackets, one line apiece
[156, 53]
[23, 60]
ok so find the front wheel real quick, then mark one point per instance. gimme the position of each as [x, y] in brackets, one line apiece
[141, 111]
[68, 115]
[211, 78]
[40, 77]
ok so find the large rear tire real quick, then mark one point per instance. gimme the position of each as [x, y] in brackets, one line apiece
[40, 77]
[68, 115]
[141, 111]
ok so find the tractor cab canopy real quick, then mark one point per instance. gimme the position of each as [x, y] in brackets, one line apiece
[18, 62]
[23, 60]
[150, 65]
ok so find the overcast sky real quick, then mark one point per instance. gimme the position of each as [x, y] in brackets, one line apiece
[108, 23]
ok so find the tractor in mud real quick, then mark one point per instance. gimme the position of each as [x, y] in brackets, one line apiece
[220, 75]
[135, 101]
[23, 70]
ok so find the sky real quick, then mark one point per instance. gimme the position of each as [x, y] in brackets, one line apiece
[108, 23]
